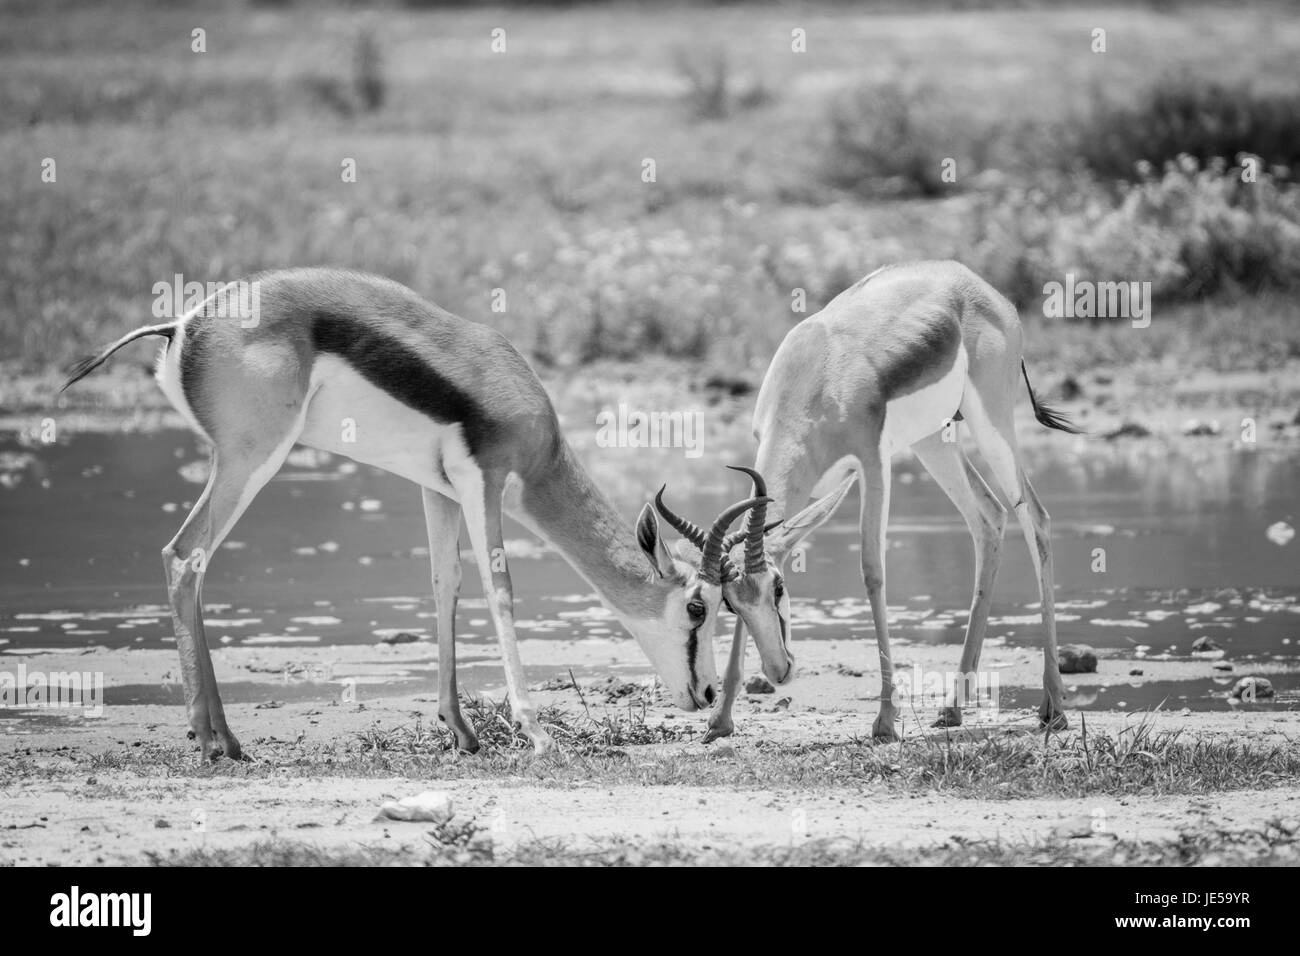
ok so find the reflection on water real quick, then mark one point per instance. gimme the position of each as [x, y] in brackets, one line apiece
[1156, 545]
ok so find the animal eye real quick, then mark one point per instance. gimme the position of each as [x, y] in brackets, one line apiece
[780, 589]
[696, 609]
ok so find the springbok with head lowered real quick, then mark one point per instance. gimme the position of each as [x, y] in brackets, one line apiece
[891, 363]
[363, 367]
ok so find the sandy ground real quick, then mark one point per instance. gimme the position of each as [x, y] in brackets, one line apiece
[113, 820]
[63, 809]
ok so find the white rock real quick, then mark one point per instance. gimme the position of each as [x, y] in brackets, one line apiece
[433, 806]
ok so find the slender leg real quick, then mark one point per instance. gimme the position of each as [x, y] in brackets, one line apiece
[236, 478]
[1037, 526]
[720, 724]
[442, 517]
[874, 517]
[986, 518]
[999, 448]
[480, 499]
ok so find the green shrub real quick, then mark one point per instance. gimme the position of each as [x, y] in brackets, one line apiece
[886, 138]
[368, 70]
[713, 90]
[624, 293]
[1192, 231]
[1182, 114]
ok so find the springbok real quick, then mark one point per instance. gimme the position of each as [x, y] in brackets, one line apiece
[890, 363]
[363, 367]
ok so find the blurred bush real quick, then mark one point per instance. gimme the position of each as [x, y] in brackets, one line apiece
[1182, 113]
[1191, 230]
[889, 138]
[713, 90]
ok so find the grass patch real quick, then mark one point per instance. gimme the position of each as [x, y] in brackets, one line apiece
[620, 748]
[582, 735]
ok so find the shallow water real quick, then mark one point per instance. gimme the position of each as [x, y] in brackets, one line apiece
[334, 553]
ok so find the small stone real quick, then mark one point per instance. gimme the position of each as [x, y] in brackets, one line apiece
[1076, 828]
[782, 704]
[1202, 644]
[1222, 665]
[1135, 672]
[1280, 533]
[161, 824]
[431, 806]
[758, 684]
[1196, 428]
[401, 637]
[1252, 688]
[1128, 430]
[1077, 659]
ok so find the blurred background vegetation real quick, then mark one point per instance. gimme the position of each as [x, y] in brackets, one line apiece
[775, 170]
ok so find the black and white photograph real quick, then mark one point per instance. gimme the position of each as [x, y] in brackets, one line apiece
[632, 434]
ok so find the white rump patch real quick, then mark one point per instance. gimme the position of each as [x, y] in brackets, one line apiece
[912, 417]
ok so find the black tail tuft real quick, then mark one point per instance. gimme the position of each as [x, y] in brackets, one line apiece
[91, 362]
[1045, 414]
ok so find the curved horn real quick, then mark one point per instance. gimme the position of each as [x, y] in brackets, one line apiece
[755, 560]
[688, 530]
[736, 537]
[711, 563]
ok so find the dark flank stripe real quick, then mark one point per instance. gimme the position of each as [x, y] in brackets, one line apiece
[403, 373]
[912, 368]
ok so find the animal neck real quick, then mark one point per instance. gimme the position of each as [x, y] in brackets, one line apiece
[574, 516]
[786, 470]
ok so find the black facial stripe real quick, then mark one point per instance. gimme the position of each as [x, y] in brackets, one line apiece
[692, 651]
[403, 373]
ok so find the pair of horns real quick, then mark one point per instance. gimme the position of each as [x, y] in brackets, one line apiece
[716, 545]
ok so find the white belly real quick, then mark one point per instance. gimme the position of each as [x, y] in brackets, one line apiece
[348, 416]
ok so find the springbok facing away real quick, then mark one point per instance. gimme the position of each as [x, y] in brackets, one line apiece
[886, 365]
[363, 367]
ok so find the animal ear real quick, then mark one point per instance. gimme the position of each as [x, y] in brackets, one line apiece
[790, 532]
[652, 542]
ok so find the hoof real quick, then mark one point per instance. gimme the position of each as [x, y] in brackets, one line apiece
[216, 745]
[883, 730]
[543, 743]
[948, 717]
[718, 731]
[466, 739]
[229, 746]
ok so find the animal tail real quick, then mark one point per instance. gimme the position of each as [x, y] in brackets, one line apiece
[92, 362]
[1045, 414]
